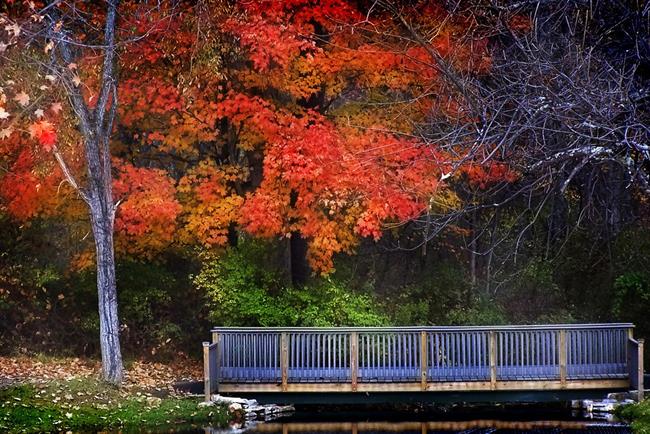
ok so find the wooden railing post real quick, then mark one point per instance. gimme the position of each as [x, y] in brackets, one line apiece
[354, 359]
[493, 359]
[216, 339]
[207, 387]
[284, 360]
[562, 351]
[639, 371]
[424, 362]
[635, 365]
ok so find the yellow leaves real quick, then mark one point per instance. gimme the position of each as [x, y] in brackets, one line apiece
[191, 128]
[210, 203]
[3, 114]
[304, 78]
[444, 201]
[250, 139]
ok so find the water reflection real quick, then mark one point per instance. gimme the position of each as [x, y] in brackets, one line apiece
[479, 426]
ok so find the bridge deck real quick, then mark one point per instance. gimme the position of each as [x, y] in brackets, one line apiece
[409, 359]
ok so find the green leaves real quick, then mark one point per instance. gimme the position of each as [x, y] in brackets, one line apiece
[243, 288]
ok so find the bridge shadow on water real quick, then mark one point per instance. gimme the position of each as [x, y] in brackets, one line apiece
[414, 420]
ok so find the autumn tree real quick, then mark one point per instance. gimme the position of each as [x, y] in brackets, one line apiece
[294, 121]
[304, 122]
[64, 36]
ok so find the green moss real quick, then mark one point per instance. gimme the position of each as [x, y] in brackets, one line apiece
[638, 415]
[87, 405]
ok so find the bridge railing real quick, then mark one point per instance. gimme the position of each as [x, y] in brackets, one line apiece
[422, 354]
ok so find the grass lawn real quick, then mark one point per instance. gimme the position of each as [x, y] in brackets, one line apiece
[86, 404]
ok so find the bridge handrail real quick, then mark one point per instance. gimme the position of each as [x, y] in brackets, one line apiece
[424, 357]
[427, 328]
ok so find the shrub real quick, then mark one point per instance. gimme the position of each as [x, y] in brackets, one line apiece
[243, 288]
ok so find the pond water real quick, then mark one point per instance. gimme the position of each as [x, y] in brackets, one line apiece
[422, 421]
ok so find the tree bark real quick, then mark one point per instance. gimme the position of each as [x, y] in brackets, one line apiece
[96, 125]
[109, 327]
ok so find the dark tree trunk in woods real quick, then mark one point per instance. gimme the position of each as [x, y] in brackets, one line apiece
[296, 255]
[299, 265]
[473, 248]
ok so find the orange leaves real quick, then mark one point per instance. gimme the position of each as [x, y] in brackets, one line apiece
[269, 43]
[310, 87]
[486, 174]
[210, 203]
[30, 185]
[256, 120]
[334, 184]
[24, 191]
[146, 219]
[139, 100]
[43, 132]
[276, 32]
[298, 123]
[519, 24]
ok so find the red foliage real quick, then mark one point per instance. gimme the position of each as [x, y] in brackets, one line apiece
[44, 133]
[489, 173]
[146, 219]
[310, 88]
[520, 24]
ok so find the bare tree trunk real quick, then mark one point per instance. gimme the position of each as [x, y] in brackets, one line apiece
[96, 125]
[109, 326]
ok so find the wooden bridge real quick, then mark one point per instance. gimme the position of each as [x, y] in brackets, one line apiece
[602, 357]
